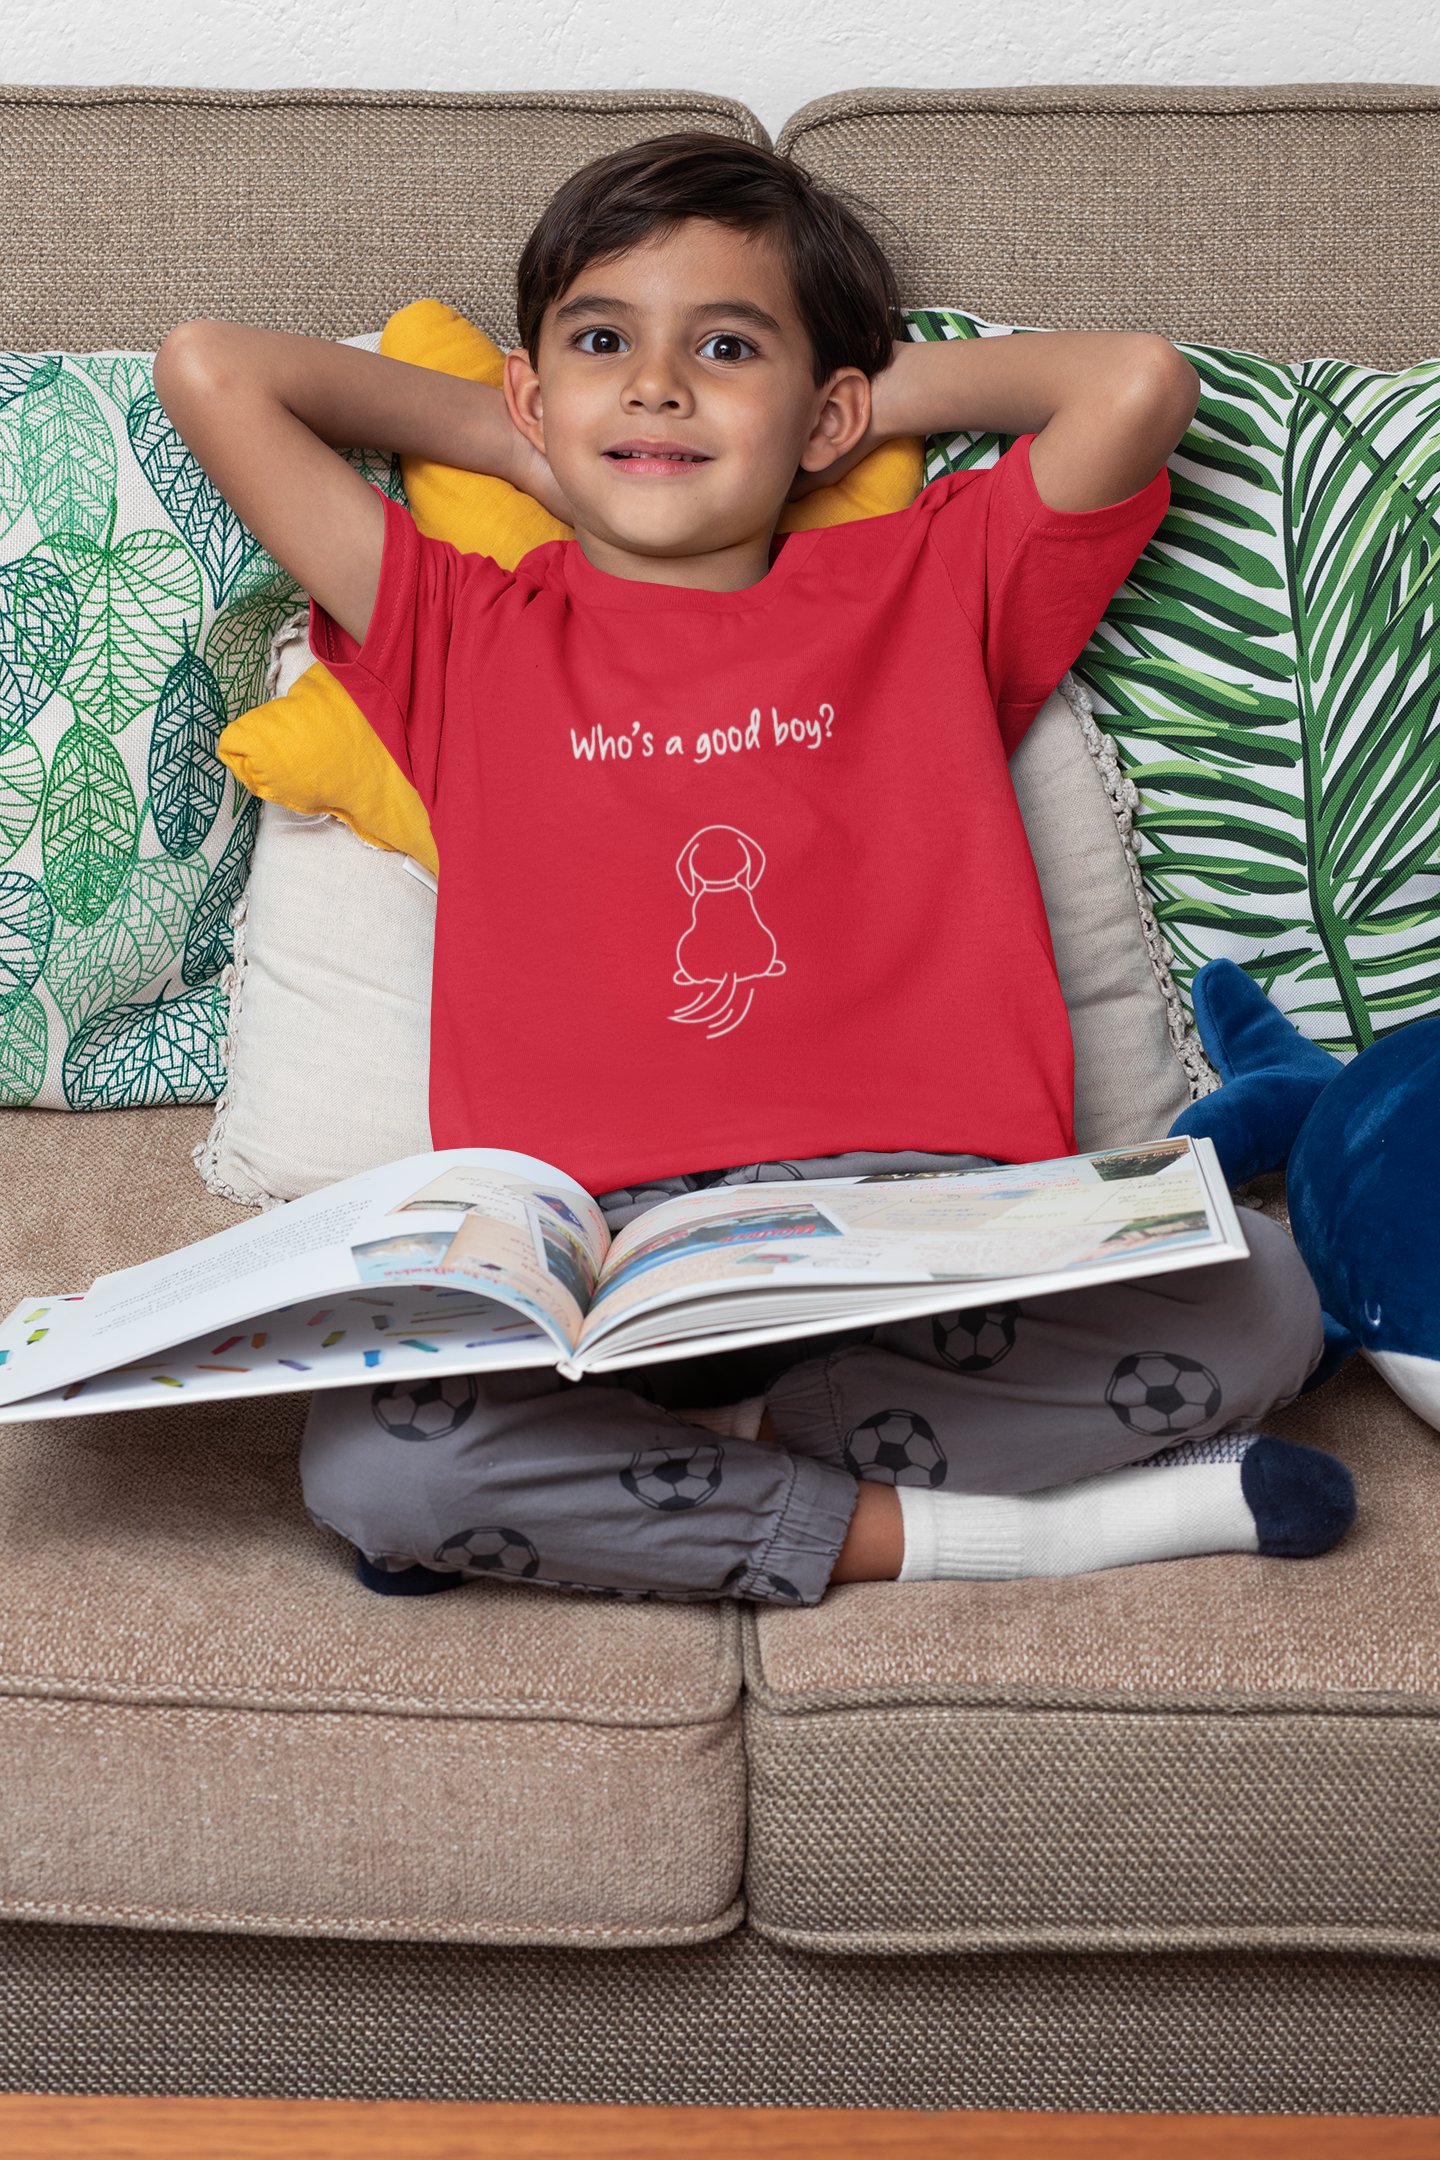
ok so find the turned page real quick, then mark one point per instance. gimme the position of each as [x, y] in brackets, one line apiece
[540, 1243]
[484, 1227]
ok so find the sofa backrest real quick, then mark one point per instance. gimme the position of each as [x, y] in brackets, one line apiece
[1296, 222]
[129, 210]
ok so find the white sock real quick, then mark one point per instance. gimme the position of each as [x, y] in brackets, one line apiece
[732, 1421]
[1170, 1510]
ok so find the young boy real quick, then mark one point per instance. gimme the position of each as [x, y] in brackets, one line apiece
[789, 915]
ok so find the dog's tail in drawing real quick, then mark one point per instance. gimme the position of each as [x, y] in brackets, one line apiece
[715, 1010]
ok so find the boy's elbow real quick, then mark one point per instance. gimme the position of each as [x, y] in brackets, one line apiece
[190, 363]
[1163, 389]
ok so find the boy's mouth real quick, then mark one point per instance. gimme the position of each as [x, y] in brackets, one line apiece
[655, 457]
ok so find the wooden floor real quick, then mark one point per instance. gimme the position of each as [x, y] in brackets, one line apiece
[140, 2129]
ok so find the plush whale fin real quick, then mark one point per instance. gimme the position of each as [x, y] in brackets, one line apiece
[1244, 1033]
[1272, 1075]
[1340, 1347]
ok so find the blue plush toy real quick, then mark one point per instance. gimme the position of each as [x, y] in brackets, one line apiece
[1360, 1146]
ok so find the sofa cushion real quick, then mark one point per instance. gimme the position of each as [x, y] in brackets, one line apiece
[84, 1195]
[1137, 1059]
[1269, 672]
[131, 209]
[1285, 218]
[1228, 1752]
[206, 1722]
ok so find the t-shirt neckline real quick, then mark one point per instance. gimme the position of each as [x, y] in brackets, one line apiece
[633, 596]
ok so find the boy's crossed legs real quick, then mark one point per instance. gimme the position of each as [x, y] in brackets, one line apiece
[597, 1487]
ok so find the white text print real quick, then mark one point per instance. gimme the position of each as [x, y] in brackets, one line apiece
[599, 747]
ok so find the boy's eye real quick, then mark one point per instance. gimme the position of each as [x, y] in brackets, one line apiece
[603, 342]
[725, 345]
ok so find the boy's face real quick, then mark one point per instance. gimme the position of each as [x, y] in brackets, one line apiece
[675, 399]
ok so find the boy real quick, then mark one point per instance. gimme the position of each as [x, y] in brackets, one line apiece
[795, 949]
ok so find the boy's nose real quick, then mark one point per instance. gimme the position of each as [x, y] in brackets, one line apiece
[654, 397]
[656, 386]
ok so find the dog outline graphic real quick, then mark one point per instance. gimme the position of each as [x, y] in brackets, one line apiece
[725, 944]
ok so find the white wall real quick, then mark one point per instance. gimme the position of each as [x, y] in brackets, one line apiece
[773, 54]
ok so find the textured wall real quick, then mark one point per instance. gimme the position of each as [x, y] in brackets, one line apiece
[774, 54]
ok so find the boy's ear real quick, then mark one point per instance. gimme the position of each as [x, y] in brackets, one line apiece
[841, 422]
[522, 397]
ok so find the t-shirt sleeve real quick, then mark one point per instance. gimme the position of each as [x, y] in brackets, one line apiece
[1035, 581]
[397, 676]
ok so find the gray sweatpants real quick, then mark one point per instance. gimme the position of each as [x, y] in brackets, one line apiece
[605, 1487]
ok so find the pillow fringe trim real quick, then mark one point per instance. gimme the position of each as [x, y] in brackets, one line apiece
[1124, 800]
[206, 1157]
[293, 628]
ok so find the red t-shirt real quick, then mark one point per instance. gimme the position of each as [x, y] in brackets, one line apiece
[737, 876]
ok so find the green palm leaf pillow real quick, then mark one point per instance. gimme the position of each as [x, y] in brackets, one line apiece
[136, 614]
[1270, 672]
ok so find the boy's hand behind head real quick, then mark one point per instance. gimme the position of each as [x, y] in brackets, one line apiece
[672, 391]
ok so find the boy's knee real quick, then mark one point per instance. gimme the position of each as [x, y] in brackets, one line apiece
[369, 1487]
[342, 1490]
[394, 1488]
[1272, 1298]
[1275, 1271]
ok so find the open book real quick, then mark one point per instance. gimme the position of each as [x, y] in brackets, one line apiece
[475, 1261]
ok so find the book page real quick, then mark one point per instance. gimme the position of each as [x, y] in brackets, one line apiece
[494, 1224]
[422, 1344]
[1112, 1213]
[543, 1245]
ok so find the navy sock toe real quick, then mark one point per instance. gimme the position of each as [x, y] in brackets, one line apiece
[409, 1582]
[1303, 1502]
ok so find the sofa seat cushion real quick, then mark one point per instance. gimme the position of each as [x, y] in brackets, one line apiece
[1219, 1752]
[206, 1722]
[85, 1195]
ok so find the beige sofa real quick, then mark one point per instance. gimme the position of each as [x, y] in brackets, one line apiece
[1158, 1839]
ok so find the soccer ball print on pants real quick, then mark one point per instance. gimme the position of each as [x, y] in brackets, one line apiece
[895, 1447]
[489, 1550]
[974, 1341]
[1161, 1395]
[424, 1409]
[671, 1479]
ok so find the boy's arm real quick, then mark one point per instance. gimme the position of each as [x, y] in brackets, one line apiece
[260, 410]
[1106, 408]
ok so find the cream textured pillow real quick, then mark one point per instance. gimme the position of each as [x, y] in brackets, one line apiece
[1137, 1061]
[328, 1050]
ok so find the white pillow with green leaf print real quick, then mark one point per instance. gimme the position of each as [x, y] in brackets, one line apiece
[136, 614]
[1270, 672]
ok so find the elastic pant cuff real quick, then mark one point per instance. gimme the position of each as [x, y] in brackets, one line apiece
[799, 1560]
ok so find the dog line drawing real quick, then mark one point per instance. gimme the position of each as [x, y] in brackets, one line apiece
[726, 944]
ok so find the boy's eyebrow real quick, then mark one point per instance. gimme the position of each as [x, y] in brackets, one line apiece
[743, 311]
[592, 304]
[607, 304]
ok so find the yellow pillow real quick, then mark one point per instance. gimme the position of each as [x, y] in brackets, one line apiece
[313, 749]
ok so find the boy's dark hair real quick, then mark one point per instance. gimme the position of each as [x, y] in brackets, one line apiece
[844, 288]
